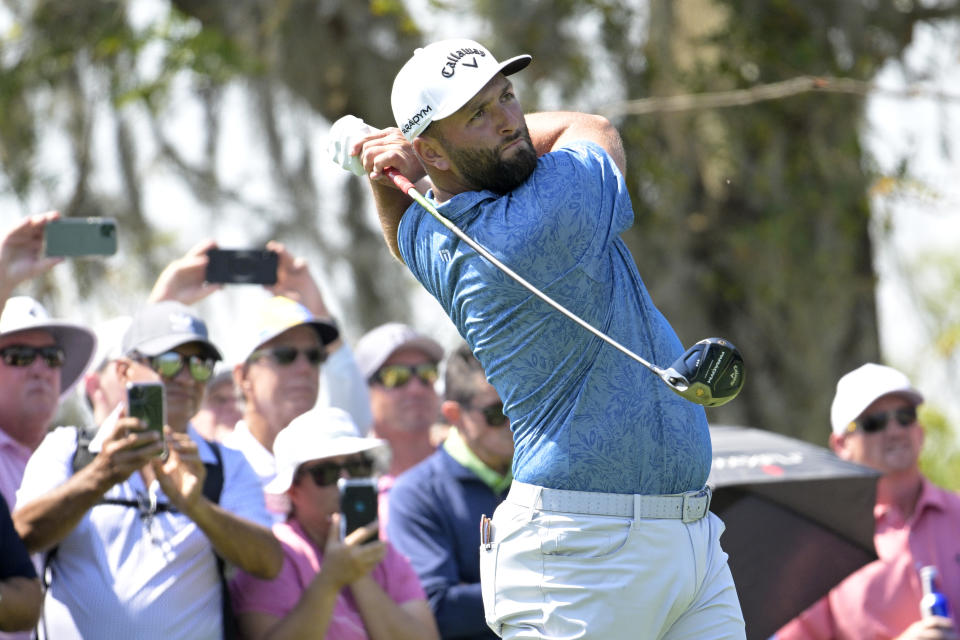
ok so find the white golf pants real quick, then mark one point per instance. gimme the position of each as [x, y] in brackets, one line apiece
[559, 575]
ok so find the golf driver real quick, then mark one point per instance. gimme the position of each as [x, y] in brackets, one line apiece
[710, 373]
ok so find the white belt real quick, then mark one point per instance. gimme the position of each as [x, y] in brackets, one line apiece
[689, 506]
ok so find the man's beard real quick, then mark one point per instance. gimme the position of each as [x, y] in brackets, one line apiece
[485, 169]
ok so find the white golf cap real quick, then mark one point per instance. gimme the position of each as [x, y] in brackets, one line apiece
[378, 344]
[442, 77]
[280, 314]
[23, 313]
[858, 389]
[322, 432]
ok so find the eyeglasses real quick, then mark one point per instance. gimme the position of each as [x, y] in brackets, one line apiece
[171, 363]
[397, 375]
[493, 414]
[326, 474]
[285, 355]
[905, 416]
[21, 355]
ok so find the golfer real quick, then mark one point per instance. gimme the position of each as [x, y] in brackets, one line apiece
[605, 532]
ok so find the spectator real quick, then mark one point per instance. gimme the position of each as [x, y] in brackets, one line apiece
[640, 556]
[436, 506]
[329, 588]
[401, 366]
[874, 423]
[31, 387]
[278, 378]
[220, 410]
[20, 593]
[101, 383]
[138, 538]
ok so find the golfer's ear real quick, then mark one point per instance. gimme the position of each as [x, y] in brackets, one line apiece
[450, 410]
[431, 153]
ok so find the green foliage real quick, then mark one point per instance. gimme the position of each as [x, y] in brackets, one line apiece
[940, 460]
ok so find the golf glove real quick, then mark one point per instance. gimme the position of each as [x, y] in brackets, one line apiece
[343, 134]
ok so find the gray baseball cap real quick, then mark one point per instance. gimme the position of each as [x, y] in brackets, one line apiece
[378, 344]
[162, 326]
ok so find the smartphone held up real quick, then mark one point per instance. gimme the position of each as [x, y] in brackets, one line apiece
[80, 237]
[358, 503]
[242, 266]
[147, 401]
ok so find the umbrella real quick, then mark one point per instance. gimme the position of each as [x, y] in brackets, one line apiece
[798, 520]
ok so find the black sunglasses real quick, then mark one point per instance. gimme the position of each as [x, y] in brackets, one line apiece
[285, 355]
[21, 355]
[171, 363]
[397, 375]
[905, 416]
[493, 414]
[326, 474]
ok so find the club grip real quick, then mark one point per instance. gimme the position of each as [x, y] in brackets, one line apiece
[398, 179]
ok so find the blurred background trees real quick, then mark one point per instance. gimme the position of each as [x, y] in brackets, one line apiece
[205, 118]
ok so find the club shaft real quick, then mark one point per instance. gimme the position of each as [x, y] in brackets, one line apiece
[407, 187]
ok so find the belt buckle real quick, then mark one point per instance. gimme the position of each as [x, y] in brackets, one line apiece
[692, 505]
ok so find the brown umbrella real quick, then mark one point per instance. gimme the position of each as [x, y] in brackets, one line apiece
[798, 520]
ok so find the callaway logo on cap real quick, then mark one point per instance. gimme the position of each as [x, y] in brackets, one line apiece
[442, 77]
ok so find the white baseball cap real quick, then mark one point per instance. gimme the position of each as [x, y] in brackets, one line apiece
[23, 313]
[322, 432]
[858, 389]
[280, 314]
[442, 77]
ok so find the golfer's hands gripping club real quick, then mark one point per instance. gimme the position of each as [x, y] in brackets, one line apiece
[368, 152]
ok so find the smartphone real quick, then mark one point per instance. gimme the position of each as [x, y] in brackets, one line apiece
[146, 400]
[75, 237]
[358, 503]
[242, 266]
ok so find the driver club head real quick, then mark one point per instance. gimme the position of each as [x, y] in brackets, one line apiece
[709, 373]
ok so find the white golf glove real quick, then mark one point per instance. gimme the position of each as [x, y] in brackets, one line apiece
[343, 134]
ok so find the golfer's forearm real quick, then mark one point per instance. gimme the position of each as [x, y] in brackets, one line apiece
[391, 205]
[553, 129]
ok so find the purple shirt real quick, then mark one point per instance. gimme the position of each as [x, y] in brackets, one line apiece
[301, 563]
[13, 461]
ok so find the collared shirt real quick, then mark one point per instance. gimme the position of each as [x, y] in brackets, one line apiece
[125, 572]
[13, 460]
[456, 446]
[584, 416]
[264, 465]
[882, 599]
[302, 561]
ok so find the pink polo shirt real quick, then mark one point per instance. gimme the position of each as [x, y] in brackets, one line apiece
[13, 461]
[301, 563]
[882, 599]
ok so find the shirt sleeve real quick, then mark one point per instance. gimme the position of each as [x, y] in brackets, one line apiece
[14, 559]
[50, 465]
[242, 492]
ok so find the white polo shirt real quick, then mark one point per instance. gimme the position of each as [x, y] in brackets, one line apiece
[122, 573]
[264, 465]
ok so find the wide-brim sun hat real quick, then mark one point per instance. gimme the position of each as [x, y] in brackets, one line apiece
[322, 432]
[23, 313]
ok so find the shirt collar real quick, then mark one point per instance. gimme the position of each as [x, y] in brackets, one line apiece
[456, 447]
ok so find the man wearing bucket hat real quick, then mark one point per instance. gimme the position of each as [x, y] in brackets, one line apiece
[139, 536]
[328, 587]
[608, 516]
[41, 359]
[874, 423]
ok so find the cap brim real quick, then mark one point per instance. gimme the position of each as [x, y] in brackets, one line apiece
[343, 446]
[169, 342]
[508, 67]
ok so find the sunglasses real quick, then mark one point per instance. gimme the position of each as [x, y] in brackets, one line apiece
[285, 355]
[493, 414]
[326, 474]
[171, 363]
[397, 375]
[21, 355]
[875, 422]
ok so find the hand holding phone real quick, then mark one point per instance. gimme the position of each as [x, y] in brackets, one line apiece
[78, 237]
[358, 503]
[241, 266]
[146, 401]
